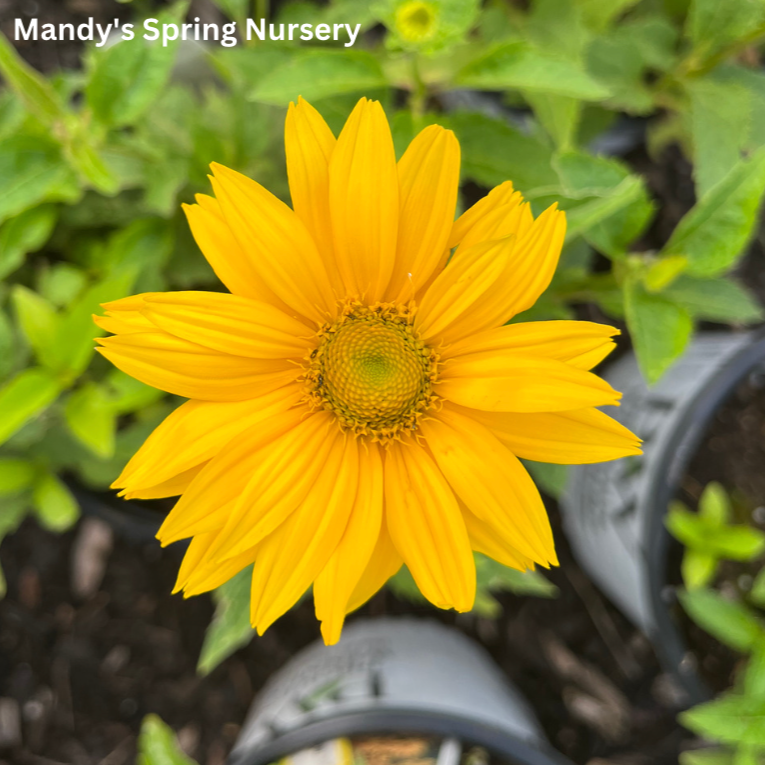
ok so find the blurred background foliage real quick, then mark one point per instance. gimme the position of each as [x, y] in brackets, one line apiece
[552, 94]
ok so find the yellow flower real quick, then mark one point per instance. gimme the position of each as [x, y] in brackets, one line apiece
[416, 20]
[355, 402]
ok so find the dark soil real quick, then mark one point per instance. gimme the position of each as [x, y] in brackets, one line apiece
[733, 454]
[83, 673]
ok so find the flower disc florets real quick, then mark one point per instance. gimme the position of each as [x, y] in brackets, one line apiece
[372, 370]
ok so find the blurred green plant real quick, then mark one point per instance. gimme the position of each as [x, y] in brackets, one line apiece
[94, 164]
[736, 719]
[157, 744]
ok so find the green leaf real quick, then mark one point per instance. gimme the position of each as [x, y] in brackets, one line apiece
[23, 234]
[516, 65]
[54, 504]
[663, 271]
[714, 24]
[320, 73]
[715, 231]
[720, 122]
[660, 329]
[32, 171]
[128, 395]
[39, 322]
[61, 284]
[90, 416]
[125, 79]
[706, 757]
[144, 244]
[714, 504]
[698, 569]
[731, 623]
[559, 115]
[730, 719]
[493, 151]
[495, 577]
[584, 219]
[742, 543]
[15, 476]
[87, 161]
[624, 57]
[599, 14]
[719, 299]
[157, 744]
[24, 397]
[757, 593]
[625, 210]
[754, 676]
[230, 628]
[7, 345]
[550, 478]
[32, 88]
[73, 346]
[234, 9]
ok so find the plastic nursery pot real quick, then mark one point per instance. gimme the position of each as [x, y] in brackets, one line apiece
[614, 511]
[392, 676]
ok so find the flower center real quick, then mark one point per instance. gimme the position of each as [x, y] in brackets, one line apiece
[372, 371]
[416, 21]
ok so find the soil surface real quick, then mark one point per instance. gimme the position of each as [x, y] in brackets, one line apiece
[81, 672]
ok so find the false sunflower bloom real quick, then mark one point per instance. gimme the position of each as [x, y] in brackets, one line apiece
[358, 400]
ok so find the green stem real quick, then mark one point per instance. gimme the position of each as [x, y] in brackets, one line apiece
[418, 95]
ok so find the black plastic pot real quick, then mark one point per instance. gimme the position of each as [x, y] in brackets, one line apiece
[614, 512]
[392, 676]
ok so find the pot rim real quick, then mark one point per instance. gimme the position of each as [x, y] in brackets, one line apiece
[401, 721]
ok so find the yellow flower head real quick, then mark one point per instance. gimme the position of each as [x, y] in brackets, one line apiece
[358, 400]
[417, 20]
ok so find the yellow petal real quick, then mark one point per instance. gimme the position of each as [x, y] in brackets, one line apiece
[569, 341]
[364, 202]
[124, 323]
[384, 562]
[528, 270]
[497, 197]
[428, 175]
[283, 251]
[197, 574]
[427, 527]
[460, 287]
[171, 487]
[232, 264]
[285, 473]
[338, 579]
[577, 437]
[511, 219]
[491, 482]
[509, 382]
[193, 371]
[309, 144]
[484, 539]
[196, 432]
[291, 558]
[229, 323]
[206, 504]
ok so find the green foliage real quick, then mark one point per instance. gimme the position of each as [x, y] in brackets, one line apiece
[230, 628]
[735, 719]
[709, 537]
[157, 744]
